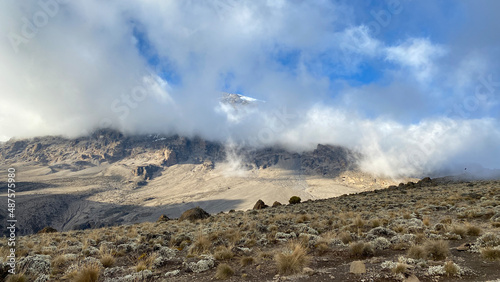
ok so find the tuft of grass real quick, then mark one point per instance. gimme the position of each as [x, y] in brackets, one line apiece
[145, 261]
[400, 229]
[345, 237]
[58, 261]
[426, 220]
[223, 253]
[302, 218]
[490, 253]
[292, 262]
[420, 238]
[224, 271]
[58, 264]
[459, 230]
[401, 246]
[376, 222]
[142, 265]
[200, 246]
[245, 261]
[417, 252]
[89, 273]
[451, 269]
[437, 250]
[322, 248]
[359, 222]
[107, 258]
[265, 255]
[361, 249]
[399, 268]
[473, 230]
[20, 277]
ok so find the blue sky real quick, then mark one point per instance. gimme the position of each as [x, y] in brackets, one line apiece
[394, 79]
[388, 24]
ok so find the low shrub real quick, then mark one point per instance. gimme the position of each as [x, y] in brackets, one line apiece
[437, 250]
[294, 200]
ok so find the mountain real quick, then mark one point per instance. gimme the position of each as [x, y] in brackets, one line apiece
[108, 178]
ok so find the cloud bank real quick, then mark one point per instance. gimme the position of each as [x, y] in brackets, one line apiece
[357, 74]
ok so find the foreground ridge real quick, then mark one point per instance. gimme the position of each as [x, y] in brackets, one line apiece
[431, 230]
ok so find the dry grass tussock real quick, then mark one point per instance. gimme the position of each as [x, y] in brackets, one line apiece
[293, 260]
[224, 271]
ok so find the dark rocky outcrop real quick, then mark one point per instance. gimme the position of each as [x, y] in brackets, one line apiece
[260, 205]
[107, 145]
[194, 214]
[276, 204]
[147, 172]
[325, 160]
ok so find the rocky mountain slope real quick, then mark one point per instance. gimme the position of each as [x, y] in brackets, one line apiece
[430, 230]
[108, 178]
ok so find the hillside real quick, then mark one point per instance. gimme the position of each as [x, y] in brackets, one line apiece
[108, 178]
[431, 230]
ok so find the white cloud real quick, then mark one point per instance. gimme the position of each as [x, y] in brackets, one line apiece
[394, 149]
[417, 54]
[83, 69]
[358, 40]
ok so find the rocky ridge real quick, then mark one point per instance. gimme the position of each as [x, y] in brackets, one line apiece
[109, 178]
[163, 151]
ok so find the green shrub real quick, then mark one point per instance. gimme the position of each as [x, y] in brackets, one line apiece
[361, 249]
[294, 200]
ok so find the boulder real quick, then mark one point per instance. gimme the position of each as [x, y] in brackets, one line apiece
[35, 265]
[202, 265]
[276, 204]
[194, 214]
[259, 205]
